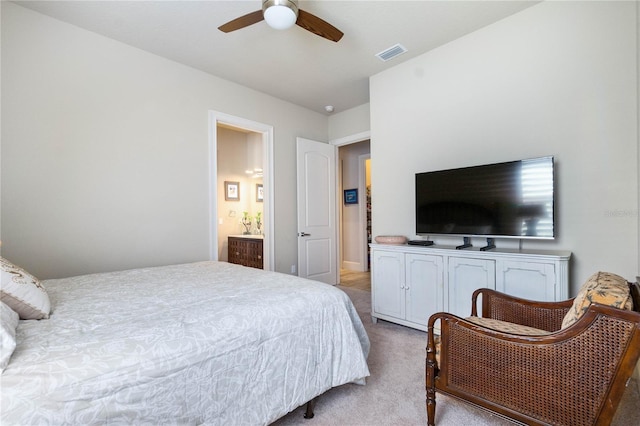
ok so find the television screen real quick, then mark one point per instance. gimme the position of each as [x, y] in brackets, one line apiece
[513, 199]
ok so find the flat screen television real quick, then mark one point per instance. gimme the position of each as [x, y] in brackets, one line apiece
[514, 199]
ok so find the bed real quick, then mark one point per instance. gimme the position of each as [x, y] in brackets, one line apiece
[200, 343]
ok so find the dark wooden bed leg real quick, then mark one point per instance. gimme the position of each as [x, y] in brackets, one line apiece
[308, 414]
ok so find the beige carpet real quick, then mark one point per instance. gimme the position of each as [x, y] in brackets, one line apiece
[395, 395]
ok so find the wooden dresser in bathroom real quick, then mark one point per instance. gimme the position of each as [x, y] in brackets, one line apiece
[246, 250]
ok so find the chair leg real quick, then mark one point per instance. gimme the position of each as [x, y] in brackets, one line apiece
[431, 407]
[431, 386]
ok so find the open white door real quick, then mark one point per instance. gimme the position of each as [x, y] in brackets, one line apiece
[317, 229]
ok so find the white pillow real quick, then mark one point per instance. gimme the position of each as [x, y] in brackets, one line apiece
[23, 292]
[9, 322]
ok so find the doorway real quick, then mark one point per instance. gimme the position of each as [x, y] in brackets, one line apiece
[355, 215]
[233, 191]
[353, 181]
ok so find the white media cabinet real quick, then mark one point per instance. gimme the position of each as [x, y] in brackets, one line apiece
[409, 283]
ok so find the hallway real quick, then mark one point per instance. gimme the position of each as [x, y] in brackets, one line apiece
[355, 279]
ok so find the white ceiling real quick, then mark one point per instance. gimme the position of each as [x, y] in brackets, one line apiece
[294, 65]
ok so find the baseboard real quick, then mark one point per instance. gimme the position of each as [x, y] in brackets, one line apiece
[352, 266]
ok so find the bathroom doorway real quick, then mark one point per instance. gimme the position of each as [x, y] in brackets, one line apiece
[241, 193]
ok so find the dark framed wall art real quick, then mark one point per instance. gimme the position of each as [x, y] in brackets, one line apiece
[351, 196]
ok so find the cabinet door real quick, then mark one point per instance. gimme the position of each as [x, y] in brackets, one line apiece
[254, 254]
[529, 280]
[235, 253]
[387, 283]
[424, 285]
[465, 276]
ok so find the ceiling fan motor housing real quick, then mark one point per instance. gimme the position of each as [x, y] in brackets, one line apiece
[278, 13]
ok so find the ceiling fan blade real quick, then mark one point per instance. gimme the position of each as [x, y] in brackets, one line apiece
[241, 22]
[317, 26]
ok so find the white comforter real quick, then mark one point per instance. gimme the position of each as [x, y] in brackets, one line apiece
[202, 343]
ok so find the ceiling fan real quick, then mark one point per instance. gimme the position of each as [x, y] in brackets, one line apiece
[282, 14]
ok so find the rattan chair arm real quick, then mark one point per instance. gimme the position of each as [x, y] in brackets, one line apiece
[584, 324]
[431, 345]
[538, 314]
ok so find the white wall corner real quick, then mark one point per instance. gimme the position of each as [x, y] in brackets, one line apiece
[352, 121]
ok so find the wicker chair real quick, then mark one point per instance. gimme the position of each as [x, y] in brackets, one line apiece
[573, 376]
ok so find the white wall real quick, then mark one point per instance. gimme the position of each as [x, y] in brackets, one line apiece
[105, 151]
[559, 78]
[353, 121]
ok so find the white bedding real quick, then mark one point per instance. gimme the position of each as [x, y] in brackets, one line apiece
[202, 343]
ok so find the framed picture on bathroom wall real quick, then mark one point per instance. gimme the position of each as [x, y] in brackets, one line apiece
[259, 193]
[231, 191]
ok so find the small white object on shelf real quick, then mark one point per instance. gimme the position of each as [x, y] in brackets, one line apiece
[391, 239]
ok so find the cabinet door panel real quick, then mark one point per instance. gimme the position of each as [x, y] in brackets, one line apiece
[388, 284]
[234, 254]
[529, 280]
[424, 285]
[466, 276]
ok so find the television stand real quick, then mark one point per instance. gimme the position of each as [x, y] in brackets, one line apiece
[490, 245]
[410, 282]
[466, 243]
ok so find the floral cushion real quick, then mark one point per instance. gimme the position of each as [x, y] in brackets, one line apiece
[604, 288]
[23, 292]
[507, 327]
[438, 342]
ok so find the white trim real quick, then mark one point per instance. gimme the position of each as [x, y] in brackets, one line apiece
[216, 118]
[351, 266]
[362, 203]
[339, 214]
[347, 140]
[213, 187]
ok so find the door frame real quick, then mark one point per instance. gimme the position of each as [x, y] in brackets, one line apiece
[347, 140]
[362, 191]
[215, 118]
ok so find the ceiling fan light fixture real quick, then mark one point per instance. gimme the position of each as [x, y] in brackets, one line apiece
[280, 14]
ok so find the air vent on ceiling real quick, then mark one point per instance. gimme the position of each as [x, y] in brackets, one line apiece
[391, 52]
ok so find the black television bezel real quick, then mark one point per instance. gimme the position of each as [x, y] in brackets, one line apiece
[494, 236]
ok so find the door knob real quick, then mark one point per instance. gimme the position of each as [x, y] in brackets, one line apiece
[304, 234]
